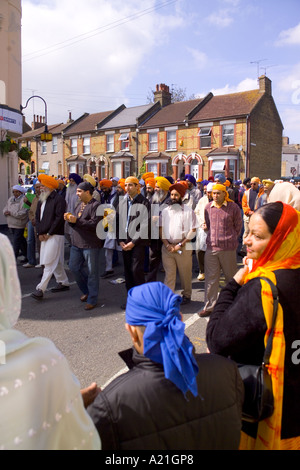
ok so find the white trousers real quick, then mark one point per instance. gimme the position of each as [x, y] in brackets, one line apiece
[52, 256]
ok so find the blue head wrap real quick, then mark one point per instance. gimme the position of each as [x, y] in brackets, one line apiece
[156, 307]
[191, 179]
[75, 177]
[220, 177]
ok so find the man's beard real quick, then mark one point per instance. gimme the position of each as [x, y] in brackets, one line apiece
[71, 189]
[178, 201]
[158, 196]
[44, 195]
[149, 194]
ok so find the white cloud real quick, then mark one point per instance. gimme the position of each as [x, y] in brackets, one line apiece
[289, 36]
[199, 58]
[221, 19]
[244, 85]
[97, 49]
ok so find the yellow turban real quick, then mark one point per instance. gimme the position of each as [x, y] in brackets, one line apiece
[48, 181]
[255, 179]
[150, 174]
[90, 180]
[162, 183]
[221, 187]
[268, 182]
[150, 182]
[133, 179]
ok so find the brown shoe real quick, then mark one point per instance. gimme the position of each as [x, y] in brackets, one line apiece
[84, 298]
[204, 313]
[89, 307]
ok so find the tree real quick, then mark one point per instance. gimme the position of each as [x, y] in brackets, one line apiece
[177, 94]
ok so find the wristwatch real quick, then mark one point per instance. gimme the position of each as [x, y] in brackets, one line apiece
[180, 244]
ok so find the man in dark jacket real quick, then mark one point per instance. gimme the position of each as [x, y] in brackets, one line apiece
[85, 250]
[50, 231]
[133, 231]
[170, 399]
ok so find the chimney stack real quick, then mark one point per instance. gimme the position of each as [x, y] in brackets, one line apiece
[265, 85]
[163, 95]
[38, 122]
[285, 141]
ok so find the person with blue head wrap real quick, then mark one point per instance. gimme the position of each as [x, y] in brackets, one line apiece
[194, 193]
[156, 307]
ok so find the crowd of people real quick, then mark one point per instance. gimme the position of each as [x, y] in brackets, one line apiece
[158, 223]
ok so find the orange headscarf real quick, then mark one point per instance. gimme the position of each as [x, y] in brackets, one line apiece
[48, 181]
[149, 174]
[150, 182]
[282, 252]
[105, 183]
[121, 183]
[222, 187]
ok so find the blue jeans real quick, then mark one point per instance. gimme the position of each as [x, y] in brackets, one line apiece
[31, 244]
[84, 264]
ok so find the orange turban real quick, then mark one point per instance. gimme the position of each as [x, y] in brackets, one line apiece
[227, 183]
[105, 183]
[180, 188]
[255, 179]
[133, 179]
[150, 182]
[121, 183]
[185, 184]
[150, 174]
[48, 181]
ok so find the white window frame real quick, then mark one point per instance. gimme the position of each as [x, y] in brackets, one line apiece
[54, 144]
[74, 142]
[86, 145]
[127, 169]
[164, 169]
[152, 167]
[153, 141]
[171, 141]
[110, 143]
[44, 147]
[204, 132]
[228, 135]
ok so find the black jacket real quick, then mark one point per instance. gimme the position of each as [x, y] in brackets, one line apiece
[53, 218]
[237, 328]
[139, 224]
[142, 410]
[84, 234]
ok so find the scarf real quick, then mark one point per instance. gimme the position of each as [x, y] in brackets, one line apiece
[157, 307]
[282, 252]
[222, 187]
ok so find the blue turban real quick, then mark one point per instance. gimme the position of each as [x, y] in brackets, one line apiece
[76, 178]
[191, 179]
[156, 307]
[204, 182]
[220, 177]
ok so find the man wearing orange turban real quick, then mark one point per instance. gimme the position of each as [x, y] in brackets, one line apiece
[150, 185]
[147, 175]
[50, 230]
[106, 194]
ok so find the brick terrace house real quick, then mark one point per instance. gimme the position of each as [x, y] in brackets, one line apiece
[236, 134]
[290, 165]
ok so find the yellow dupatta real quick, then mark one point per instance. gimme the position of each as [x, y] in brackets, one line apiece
[282, 252]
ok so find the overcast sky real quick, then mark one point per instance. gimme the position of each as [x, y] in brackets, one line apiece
[94, 55]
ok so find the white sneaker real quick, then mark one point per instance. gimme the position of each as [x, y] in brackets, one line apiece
[201, 277]
[39, 266]
[28, 265]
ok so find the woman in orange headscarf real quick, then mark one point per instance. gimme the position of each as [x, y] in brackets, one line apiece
[240, 323]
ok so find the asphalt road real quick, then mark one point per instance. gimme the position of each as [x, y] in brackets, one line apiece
[91, 340]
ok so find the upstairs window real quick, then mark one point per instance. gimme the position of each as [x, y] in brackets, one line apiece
[110, 147]
[124, 138]
[205, 137]
[54, 144]
[171, 140]
[86, 145]
[228, 135]
[153, 142]
[44, 146]
[74, 146]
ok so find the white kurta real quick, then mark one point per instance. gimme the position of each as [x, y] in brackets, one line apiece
[41, 407]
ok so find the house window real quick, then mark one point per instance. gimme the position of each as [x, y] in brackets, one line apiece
[74, 146]
[126, 169]
[54, 144]
[153, 142]
[205, 137]
[295, 158]
[163, 169]
[228, 135]
[86, 145]
[44, 146]
[110, 147]
[124, 138]
[117, 169]
[152, 167]
[171, 140]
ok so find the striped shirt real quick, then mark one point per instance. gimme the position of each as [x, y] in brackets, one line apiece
[224, 226]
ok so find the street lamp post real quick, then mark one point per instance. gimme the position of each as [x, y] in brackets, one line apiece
[46, 135]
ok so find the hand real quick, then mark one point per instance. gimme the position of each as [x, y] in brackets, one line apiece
[44, 238]
[6, 213]
[239, 277]
[170, 248]
[128, 246]
[89, 394]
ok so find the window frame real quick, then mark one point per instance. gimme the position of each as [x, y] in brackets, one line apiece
[203, 136]
[86, 148]
[74, 147]
[110, 142]
[227, 135]
[170, 140]
[154, 143]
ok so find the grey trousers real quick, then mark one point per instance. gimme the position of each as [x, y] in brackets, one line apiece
[214, 261]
